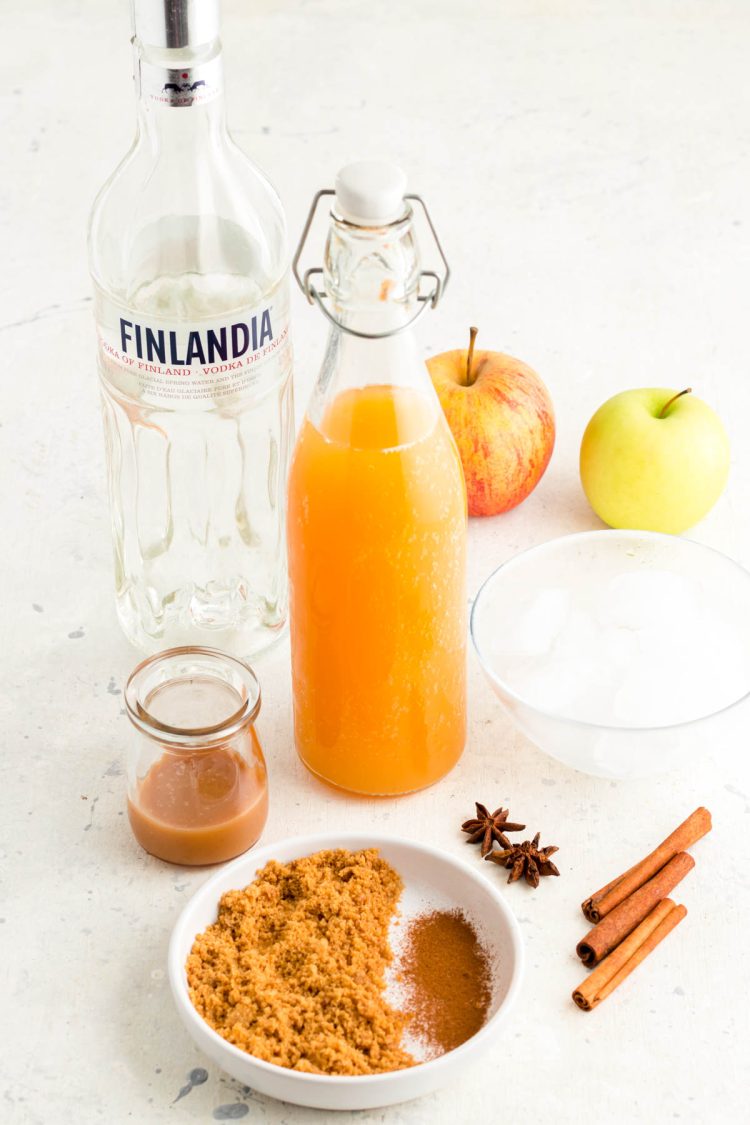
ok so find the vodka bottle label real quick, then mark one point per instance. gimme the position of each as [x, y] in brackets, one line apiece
[190, 85]
[168, 361]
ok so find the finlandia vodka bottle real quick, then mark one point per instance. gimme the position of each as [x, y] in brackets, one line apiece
[189, 261]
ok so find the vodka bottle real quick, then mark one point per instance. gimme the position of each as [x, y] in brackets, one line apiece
[188, 256]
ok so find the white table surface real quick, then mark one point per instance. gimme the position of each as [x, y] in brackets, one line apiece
[588, 166]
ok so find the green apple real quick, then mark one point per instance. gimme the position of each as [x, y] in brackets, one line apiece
[654, 459]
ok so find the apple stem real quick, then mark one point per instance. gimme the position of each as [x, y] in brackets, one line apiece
[470, 355]
[663, 412]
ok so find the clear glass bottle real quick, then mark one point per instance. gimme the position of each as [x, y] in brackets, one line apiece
[197, 785]
[188, 256]
[377, 517]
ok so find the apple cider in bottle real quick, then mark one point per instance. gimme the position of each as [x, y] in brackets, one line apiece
[188, 256]
[376, 516]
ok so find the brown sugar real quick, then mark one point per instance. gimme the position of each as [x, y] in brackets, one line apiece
[446, 978]
[293, 970]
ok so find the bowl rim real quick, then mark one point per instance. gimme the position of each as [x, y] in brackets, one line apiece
[305, 845]
[598, 533]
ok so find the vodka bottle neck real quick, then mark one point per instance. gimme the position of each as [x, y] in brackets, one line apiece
[180, 93]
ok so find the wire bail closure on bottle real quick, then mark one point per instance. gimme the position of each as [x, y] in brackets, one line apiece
[317, 296]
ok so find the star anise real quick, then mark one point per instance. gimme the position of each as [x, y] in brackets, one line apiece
[487, 826]
[526, 859]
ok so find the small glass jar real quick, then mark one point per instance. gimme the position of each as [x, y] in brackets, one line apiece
[197, 783]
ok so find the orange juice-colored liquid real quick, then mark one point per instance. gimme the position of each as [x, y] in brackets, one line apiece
[377, 540]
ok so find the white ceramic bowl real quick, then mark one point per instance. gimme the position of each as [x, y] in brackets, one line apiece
[431, 877]
[581, 568]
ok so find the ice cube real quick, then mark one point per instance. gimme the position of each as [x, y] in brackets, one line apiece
[639, 599]
[616, 647]
[540, 624]
[578, 638]
[672, 682]
[652, 694]
[561, 685]
[659, 646]
[721, 661]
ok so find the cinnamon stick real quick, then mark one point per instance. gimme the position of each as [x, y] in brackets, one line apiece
[624, 918]
[599, 904]
[619, 965]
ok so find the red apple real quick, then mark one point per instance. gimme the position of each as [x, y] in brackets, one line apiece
[502, 418]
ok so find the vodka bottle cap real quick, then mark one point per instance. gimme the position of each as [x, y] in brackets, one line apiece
[370, 193]
[176, 23]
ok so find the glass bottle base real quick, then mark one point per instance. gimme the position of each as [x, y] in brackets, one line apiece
[246, 639]
[377, 793]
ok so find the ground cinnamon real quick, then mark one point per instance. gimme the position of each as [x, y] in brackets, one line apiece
[446, 977]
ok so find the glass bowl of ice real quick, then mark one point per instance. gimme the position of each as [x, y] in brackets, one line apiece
[620, 653]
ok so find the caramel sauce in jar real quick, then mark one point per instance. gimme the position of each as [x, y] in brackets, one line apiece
[197, 783]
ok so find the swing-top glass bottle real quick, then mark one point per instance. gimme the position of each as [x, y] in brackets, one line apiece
[189, 262]
[377, 514]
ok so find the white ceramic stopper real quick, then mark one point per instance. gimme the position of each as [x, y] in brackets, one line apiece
[370, 193]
